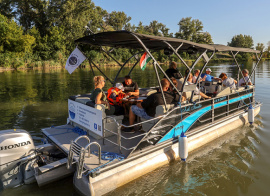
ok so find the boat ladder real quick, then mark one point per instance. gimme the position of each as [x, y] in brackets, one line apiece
[80, 152]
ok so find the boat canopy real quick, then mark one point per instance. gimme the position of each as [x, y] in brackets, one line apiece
[126, 39]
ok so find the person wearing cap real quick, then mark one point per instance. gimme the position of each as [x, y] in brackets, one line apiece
[207, 76]
[227, 81]
[130, 88]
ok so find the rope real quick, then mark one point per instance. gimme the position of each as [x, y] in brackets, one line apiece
[77, 130]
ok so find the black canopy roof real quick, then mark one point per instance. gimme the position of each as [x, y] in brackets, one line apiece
[126, 39]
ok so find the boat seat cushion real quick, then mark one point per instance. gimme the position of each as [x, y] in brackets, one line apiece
[188, 96]
[82, 100]
[225, 91]
[144, 92]
[160, 110]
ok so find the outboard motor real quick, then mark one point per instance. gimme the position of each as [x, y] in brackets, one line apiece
[16, 151]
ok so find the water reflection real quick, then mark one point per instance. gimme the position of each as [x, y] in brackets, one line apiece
[236, 164]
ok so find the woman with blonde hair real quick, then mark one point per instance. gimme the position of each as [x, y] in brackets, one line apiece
[99, 97]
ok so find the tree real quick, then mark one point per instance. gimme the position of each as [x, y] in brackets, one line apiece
[192, 30]
[243, 41]
[6, 8]
[260, 46]
[117, 20]
[12, 38]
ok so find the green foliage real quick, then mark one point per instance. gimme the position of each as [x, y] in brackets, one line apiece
[192, 30]
[45, 30]
[244, 41]
[117, 20]
[260, 47]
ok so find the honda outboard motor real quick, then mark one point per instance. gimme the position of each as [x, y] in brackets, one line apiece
[17, 150]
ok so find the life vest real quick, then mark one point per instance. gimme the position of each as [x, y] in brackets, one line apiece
[119, 95]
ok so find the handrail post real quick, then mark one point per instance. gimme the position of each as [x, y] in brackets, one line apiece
[99, 149]
[213, 110]
[80, 163]
[70, 156]
[119, 138]
[228, 107]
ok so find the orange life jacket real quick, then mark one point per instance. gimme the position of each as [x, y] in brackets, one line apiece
[119, 95]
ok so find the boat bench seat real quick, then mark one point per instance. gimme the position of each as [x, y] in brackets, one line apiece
[224, 92]
[188, 96]
[73, 97]
[144, 92]
[109, 123]
[211, 87]
[160, 110]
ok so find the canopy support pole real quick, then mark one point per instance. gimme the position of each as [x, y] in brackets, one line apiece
[255, 66]
[175, 52]
[90, 63]
[155, 63]
[207, 59]
[234, 56]
[91, 33]
[101, 71]
[124, 66]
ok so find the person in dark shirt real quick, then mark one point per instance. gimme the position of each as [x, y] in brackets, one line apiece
[147, 108]
[130, 88]
[172, 71]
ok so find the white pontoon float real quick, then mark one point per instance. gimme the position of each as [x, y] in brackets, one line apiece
[103, 157]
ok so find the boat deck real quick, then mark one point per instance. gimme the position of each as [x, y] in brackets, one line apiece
[63, 135]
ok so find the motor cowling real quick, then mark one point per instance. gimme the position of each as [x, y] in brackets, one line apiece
[15, 145]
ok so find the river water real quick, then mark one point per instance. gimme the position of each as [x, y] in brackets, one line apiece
[235, 164]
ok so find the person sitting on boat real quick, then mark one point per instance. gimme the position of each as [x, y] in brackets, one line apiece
[172, 71]
[196, 75]
[242, 81]
[174, 91]
[99, 97]
[147, 108]
[227, 81]
[131, 88]
[207, 76]
[196, 91]
[116, 94]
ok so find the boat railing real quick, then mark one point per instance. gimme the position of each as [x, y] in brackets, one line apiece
[120, 136]
[75, 148]
[228, 110]
[166, 116]
[80, 164]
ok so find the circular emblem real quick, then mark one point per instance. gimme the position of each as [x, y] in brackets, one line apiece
[72, 111]
[73, 60]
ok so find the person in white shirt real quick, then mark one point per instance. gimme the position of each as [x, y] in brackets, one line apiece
[196, 75]
[242, 81]
[227, 81]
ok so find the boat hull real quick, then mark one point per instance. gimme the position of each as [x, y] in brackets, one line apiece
[116, 177]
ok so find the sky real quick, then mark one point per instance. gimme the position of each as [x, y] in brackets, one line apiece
[223, 19]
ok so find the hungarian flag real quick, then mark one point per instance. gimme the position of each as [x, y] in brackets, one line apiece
[74, 60]
[144, 60]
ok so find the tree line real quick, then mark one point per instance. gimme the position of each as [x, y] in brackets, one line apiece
[41, 33]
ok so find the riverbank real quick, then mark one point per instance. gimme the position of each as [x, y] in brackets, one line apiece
[56, 65]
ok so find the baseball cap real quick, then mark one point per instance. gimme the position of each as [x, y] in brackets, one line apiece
[119, 86]
[208, 69]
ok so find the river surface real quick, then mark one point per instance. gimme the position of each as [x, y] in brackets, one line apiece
[235, 164]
